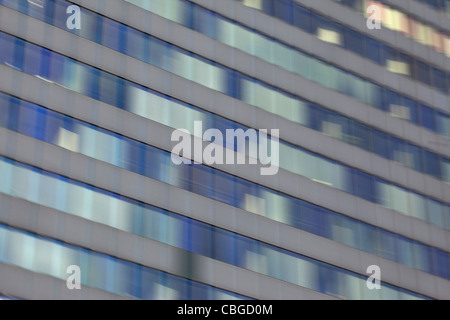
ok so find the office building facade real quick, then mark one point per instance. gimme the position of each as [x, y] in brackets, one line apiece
[92, 193]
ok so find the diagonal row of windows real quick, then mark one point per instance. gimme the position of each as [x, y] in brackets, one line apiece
[119, 212]
[193, 67]
[97, 270]
[124, 94]
[115, 149]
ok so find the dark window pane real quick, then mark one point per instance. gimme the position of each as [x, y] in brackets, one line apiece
[423, 72]
[380, 143]
[4, 110]
[354, 42]
[283, 10]
[364, 186]
[439, 80]
[414, 157]
[110, 34]
[201, 238]
[373, 50]
[432, 164]
[302, 18]
[427, 117]
[362, 135]
[7, 44]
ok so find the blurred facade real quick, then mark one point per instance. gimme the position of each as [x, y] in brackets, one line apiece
[87, 179]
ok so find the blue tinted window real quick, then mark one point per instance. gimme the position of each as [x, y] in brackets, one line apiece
[427, 116]
[60, 14]
[397, 150]
[4, 110]
[354, 41]
[423, 72]
[373, 50]
[439, 80]
[201, 238]
[411, 106]
[440, 263]
[136, 44]
[7, 52]
[431, 164]
[159, 53]
[388, 245]
[53, 125]
[224, 246]
[363, 136]
[302, 18]
[313, 219]
[364, 186]
[283, 10]
[380, 143]
[414, 159]
[202, 180]
[111, 34]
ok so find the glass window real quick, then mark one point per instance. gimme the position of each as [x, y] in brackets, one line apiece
[375, 96]
[418, 205]
[202, 180]
[203, 21]
[111, 34]
[411, 111]
[414, 157]
[108, 88]
[443, 124]
[224, 246]
[427, 116]
[201, 238]
[159, 54]
[397, 150]
[27, 121]
[446, 170]
[329, 31]
[439, 80]
[354, 41]
[431, 164]
[399, 199]
[440, 262]
[302, 18]
[248, 256]
[423, 72]
[380, 143]
[283, 10]
[364, 185]
[136, 44]
[313, 219]
[7, 44]
[343, 230]
[4, 110]
[405, 252]
[362, 136]
[435, 215]
[422, 257]
[302, 65]
[373, 50]
[60, 14]
[154, 224]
